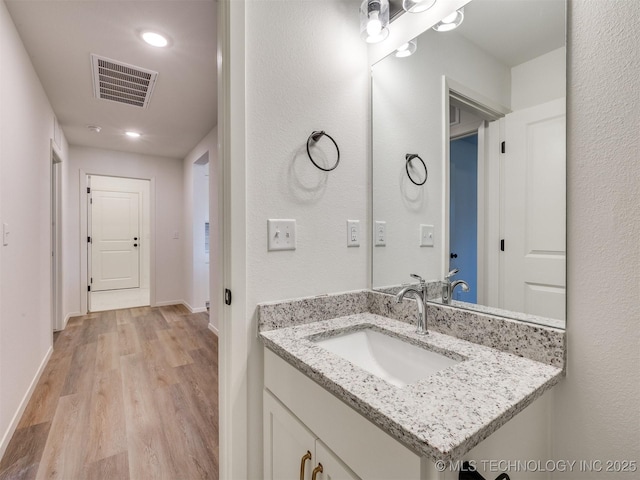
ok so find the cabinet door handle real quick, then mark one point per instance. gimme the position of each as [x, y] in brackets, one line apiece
[305, 457]
[316, 471]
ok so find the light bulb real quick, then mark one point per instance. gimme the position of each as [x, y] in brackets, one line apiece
[374, 20]
[132, 134]
[374, 26]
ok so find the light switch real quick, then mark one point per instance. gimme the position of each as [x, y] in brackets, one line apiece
[282, 234]
[353, 233]
[426, 235]
[5, 234]
[380, 234]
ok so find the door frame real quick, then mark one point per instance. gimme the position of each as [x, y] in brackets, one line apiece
[84, 233]
[57, 320]
[488, 182]
[235, 327]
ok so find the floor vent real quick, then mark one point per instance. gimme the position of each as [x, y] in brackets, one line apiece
[119, 82]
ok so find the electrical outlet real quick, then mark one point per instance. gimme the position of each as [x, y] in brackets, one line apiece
[426, 235]
[353, 233]
[380, 234]
[282, 234]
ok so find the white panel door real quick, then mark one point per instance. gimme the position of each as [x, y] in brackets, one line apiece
[115, 240]
[534, 206]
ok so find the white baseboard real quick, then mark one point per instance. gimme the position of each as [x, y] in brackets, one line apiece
[68, 317]
[213, 328]
[194, 310]
[6, 438]
[169, 303]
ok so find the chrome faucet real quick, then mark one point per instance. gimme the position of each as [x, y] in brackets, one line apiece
[448, 286]
[420, 294]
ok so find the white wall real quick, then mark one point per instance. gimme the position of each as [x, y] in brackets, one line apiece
[26, 127]
[596, 414]
[307, 71]
[195, 273]
[166, 219]
[539, 80]
[200, 259]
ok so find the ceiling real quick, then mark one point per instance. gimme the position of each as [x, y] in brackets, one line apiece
[60, 36]
[513, 31]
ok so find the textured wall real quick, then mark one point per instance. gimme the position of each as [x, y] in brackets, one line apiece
[311, 75]
[597, 407]
[306, 70]
[26, 127]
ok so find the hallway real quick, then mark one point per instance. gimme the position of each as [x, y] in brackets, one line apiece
[127, 394]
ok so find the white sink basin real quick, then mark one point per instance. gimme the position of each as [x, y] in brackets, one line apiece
[398, 362]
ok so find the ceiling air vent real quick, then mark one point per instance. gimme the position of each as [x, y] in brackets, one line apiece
[119, 82]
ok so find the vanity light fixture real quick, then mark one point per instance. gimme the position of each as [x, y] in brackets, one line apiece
[154, 39]
[450, 22]
[131, 134]
[407, 49]
[374, 20]
[417, 6]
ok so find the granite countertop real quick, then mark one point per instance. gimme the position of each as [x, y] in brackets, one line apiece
[441, 417]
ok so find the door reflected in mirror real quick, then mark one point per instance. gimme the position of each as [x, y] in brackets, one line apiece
[484, 107]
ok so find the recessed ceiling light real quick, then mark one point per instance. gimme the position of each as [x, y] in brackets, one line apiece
[94, 128]
[155, 39]
[132, 134]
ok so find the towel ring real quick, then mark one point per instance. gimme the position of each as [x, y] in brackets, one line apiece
[409, 157]
[315, 136]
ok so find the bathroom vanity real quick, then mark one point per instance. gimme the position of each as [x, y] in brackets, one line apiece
[321, 408]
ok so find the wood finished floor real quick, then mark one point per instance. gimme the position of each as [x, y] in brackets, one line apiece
[127, 394]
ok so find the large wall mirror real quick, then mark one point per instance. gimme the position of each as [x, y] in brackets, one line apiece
[479, 112]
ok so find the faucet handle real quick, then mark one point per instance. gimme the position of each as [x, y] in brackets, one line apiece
[418, 277]
[451, 273]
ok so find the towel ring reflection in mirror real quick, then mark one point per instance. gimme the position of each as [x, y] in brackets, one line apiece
[409, 157]
[315, 137]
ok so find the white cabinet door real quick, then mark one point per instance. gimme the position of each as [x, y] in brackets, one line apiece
[292, 451]
[286, 442]
[332, 467]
